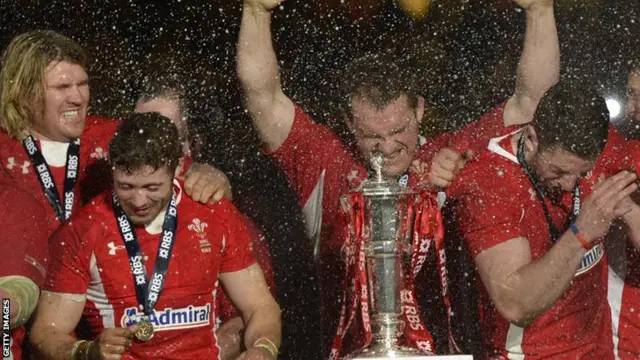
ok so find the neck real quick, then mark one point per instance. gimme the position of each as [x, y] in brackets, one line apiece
[515, 140]
[42, 136]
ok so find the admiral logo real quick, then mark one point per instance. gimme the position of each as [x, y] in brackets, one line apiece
[590, 259]
[44, 175]
[171, 319]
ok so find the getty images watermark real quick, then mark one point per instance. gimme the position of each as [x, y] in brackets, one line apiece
[6, 330]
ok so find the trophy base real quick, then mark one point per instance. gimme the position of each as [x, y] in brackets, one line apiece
[384, 351]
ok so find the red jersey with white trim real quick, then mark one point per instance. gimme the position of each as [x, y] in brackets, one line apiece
[30, 253]
[89, 257]
[497, 204]
[626, 308]
[94, 144]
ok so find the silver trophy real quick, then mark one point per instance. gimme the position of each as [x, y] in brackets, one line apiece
[388, 255]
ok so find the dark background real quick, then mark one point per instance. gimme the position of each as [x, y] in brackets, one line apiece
[466, 51]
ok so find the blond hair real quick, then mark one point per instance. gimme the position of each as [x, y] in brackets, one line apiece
[22, 75]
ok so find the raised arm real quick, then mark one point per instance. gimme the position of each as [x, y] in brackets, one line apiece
[539, 65]
[271, 110]
[248, 290]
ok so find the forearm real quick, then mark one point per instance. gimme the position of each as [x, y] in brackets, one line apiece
[539, 65]
[22, 294]
[257, 65]
[533, 289]
[632, 226]
[51, 343]
[264, 322]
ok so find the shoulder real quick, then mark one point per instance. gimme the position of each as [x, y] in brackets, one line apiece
[99, 129]
[95, 216]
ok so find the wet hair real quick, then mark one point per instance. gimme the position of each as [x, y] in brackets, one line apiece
[162, 84]
[376, 79]
[24, 63]
[573, 117]
[634, 67]
[146, 139]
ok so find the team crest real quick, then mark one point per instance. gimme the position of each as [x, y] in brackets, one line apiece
[199, 226]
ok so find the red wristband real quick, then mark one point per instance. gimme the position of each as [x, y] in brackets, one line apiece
[580, 237]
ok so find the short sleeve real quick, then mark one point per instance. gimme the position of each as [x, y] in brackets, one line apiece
[24, 245]
[70, 259]
[485, 215]
[236, 251]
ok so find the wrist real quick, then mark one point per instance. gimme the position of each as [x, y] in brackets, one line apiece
[267, 346]
[581, 237]
[80, 350]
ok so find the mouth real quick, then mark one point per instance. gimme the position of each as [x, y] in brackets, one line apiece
[142, 211]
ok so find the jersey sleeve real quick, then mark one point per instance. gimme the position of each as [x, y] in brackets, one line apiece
[484, 217]
[71, 249]
[310, 153]
[24, 245]
[236, 252]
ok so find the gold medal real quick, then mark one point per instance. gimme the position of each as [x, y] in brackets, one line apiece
[145, 330]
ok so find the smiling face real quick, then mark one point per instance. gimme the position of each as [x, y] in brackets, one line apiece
[143, 193]
[66, 100]
[392, 131]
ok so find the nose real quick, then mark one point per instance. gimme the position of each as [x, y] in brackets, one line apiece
[387, 146]
[568, 182]
[75, 95]
[632, 105]
[139, 198]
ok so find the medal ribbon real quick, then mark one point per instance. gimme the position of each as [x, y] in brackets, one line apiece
[45, 177]
[148, 290]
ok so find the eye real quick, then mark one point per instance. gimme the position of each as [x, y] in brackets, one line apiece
[153, 188]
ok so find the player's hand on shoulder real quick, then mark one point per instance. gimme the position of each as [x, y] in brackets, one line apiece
[111, 343]
[207, 184]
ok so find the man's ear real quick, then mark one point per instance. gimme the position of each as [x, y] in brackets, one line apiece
[348, 120]
[420, 109]
[531, 139]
